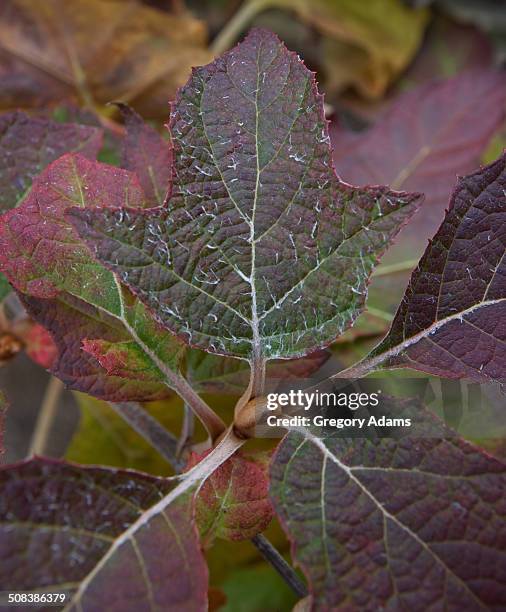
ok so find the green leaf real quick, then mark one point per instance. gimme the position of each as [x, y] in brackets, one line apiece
[74, 297]
[262, 252]
[104, 437]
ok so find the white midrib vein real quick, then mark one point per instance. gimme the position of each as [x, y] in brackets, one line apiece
[349, 472]
[368, 364]
[256, 348]
[195, 477]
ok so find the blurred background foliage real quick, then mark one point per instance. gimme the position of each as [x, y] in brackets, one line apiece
[68, 59]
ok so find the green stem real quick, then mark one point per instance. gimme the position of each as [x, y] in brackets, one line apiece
[46, 417]
[394, 268]
[380, 314]
[232, 30]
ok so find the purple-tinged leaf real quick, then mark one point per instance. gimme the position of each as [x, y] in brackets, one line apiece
[74, 326]
[262, 252]
[173, 575]
[409, 524]
[233, 503]
[60, 523]
[147, 154]
[41, 254]
[29, 144]
[452, 319]
[210, 373]
[428, 136]
[68, 292]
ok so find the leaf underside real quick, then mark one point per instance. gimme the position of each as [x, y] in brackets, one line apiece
[262, 251]
[416, 523]
[209, 373]
[452, 319]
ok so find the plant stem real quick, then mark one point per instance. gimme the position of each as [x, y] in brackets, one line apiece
[229, 34]
[46, 416]
[165, 443]
[257, 383]
[379, 314]
[150, 429]
[187, 429]
[211, 421]
[284, 569]
[176, 381]
[394, 268]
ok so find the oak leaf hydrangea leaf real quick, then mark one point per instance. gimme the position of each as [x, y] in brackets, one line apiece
[262, 252]
[452, 319]
[233, 503]
[148, 155]
[429, 134]
[71, 517]
[67, 291]
[29, 144]
[411, 523]
[75, 326]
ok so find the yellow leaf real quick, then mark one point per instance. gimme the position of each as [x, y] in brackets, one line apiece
[103, 50]
[367, 44]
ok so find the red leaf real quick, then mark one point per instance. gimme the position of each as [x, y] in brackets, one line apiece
[39, 346]
[72, 295]
[71, 321]
[37, 247]
[409, 524]
[233, 502]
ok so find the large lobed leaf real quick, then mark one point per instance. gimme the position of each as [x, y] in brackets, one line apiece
[59, 523]
[415, 523]
[452, 319]
[73, 296]
[262, 251]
